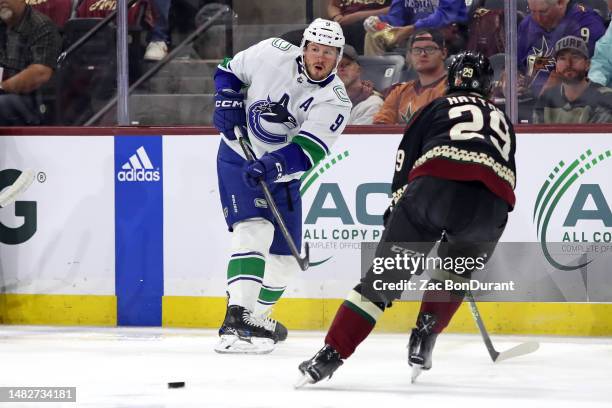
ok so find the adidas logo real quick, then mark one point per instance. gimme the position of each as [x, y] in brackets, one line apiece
[138, 168]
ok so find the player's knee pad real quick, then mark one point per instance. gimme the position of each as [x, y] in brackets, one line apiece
[252, 235]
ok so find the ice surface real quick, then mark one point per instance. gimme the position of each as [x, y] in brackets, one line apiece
[130, 367]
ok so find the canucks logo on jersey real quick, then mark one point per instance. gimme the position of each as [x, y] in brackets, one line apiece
[271, 121]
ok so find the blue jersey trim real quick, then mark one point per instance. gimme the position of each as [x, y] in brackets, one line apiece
[227, 80]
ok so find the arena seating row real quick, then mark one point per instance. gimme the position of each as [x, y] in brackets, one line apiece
[181, 93]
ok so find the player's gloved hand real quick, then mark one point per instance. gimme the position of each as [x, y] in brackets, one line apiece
[270, 167]
[229, 112]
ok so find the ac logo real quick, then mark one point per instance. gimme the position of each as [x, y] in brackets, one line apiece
[24, 209]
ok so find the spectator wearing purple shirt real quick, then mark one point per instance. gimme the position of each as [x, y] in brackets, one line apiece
[547, 23]
[407, 16]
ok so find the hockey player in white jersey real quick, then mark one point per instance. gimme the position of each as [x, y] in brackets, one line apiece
[292, 107]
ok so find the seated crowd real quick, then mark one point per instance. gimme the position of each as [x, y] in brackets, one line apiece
[31, 43]
[564, 53]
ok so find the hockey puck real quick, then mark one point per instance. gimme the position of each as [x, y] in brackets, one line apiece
[178, 384]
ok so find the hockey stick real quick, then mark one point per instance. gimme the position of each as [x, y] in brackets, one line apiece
[9, 195]
[303, 262]
[496, 356]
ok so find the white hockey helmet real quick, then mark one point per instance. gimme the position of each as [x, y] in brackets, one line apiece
[325, 32]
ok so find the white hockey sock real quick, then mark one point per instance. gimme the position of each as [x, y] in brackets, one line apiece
[280, 269]
[245, 273]
[251, 241]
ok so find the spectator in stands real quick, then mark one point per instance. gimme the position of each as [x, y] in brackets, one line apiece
[366, 100]
[159, 36]
[351, 14]
[138, 14]
[427, 50]
[601, 63]
[549, 21]
[576, 99]
[29, 46]
[407, 16]
[102, 8]
[57, 10]
[487, 32]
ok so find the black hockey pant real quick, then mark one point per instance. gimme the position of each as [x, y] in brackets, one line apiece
[468, 214]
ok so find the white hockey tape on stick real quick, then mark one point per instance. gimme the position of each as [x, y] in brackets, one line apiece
[10, 194]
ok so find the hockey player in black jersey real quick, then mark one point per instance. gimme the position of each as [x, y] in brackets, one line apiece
[454, 181]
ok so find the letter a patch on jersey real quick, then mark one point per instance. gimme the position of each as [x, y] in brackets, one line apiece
[306, 104]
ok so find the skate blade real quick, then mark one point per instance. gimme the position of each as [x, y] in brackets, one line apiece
[231, 344]
[303, 380]
[416, 371]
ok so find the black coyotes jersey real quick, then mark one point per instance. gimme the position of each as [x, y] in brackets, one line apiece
[460, 136]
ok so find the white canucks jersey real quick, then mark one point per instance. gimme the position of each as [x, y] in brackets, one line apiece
[283, 106]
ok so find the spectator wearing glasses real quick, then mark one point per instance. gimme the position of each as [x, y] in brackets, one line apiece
[601, 63]
[576, 99]
[29, 46]
[548, 22]
[365, 99]
[427, 51]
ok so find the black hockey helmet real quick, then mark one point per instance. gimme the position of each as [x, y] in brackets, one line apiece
[470, 71]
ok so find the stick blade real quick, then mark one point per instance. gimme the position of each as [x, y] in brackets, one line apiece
[10, 194]
[517, 351]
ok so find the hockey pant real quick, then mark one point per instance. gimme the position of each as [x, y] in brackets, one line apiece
[472, 219]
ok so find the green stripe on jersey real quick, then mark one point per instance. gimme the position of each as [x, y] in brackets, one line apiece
[246, 266]
[315, 151]
[225, 62]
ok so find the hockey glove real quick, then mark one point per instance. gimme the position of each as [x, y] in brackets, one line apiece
[229, 112]
[270, 167]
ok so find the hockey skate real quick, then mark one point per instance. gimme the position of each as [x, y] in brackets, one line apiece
[321, 366]
[244, 333]
[274, 326]
[421, 344]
